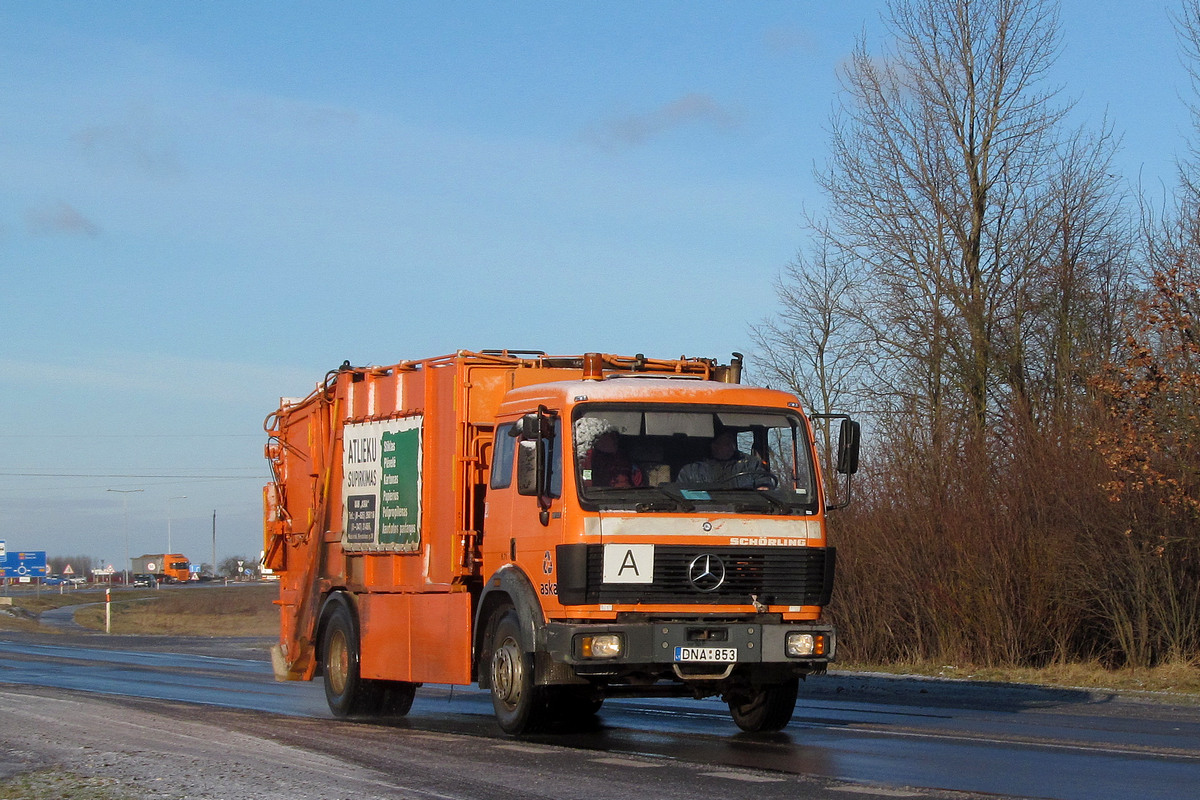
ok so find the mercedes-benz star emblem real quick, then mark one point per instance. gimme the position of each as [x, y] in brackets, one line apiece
[706, 572]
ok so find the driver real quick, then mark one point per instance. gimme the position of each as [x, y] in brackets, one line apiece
[726, 466]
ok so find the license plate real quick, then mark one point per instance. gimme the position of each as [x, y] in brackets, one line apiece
[725, 654]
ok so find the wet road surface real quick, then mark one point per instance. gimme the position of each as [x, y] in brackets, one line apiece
[885, 736]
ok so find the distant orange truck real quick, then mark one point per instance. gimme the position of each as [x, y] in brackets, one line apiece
[559, 529]
[163, 566]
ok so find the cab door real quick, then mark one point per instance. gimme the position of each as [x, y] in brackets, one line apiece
[524, 502]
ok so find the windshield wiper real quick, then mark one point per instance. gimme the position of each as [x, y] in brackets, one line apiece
[780, 506]
[674, 495]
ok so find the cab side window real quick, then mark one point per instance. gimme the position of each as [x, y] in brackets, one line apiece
[503, 448]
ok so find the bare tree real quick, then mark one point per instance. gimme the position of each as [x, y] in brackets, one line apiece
[1070, 314]
[939, 180]
[1173, 236]
[975, 254]
[1187, 29]
[815, 346]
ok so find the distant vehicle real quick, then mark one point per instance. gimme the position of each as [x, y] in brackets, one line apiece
[142, 580]
[75, 581]
[165, 567]
[52, 580]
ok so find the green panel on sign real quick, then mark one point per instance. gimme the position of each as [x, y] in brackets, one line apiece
[400, 502]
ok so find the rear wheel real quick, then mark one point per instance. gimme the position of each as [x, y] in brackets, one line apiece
[345, 691]
[395, 698]
[764, 708]
[519, 704]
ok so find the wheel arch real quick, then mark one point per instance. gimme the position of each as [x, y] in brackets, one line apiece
[508, 587]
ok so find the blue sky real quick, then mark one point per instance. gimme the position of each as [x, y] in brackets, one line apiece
[205, 206]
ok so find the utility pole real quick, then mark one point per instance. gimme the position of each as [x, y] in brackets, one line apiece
[214, 557]
[125, 504]
[169, 499]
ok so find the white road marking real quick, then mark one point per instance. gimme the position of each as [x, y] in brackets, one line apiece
[624, 762]
[744, 777]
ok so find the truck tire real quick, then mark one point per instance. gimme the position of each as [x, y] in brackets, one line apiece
[759, 709]
[519, 704]
[346, 692]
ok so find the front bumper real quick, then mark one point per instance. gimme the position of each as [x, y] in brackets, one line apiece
[683, 650]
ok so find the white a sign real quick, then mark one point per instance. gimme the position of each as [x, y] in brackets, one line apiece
[628, 563]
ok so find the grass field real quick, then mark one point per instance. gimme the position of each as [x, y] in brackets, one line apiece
[235, 610]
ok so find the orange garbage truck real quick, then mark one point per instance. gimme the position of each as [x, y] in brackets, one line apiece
[557, 529]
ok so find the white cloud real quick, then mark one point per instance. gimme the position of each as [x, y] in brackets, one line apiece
[60, 219]
[135, 143]
[690, 109]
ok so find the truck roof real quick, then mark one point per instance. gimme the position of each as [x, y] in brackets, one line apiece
[646, 389]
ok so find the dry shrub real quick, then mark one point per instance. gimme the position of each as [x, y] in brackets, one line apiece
[968, 556]
[194, 611]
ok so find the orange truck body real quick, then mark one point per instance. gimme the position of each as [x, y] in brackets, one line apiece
[437, 521]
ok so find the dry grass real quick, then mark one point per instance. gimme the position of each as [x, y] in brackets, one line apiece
[236, 610]
[54, 784]
[21, 610]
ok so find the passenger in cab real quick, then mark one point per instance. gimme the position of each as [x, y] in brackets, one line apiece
[606, 465]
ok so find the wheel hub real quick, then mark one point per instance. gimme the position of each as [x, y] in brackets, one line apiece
[339, 663]
[507, 669]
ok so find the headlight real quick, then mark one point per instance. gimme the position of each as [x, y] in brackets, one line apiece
[802, 645]
[600, 645]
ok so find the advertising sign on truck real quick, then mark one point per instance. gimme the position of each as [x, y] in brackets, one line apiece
[381, 482]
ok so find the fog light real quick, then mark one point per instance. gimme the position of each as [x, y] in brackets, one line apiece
[800, 645]
[601, 645]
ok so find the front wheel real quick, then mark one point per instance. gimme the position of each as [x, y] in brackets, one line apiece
[519, 704]
[759, 709]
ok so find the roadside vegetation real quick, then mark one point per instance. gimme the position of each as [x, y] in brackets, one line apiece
[1019, 331]
[235, 610]
[55, 784]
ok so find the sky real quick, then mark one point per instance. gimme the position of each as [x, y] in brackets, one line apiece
[206, 206]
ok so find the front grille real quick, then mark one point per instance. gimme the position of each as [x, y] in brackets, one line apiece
[774, 575]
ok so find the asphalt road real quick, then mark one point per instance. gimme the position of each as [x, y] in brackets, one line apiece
[124, 698]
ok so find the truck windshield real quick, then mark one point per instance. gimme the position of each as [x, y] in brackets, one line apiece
[740, 460]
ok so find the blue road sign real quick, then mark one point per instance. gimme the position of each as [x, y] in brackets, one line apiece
[27, 564]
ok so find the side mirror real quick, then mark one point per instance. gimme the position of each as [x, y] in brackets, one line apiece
[848, 445]
[538, 425]
[847, 453]
[535, 459]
